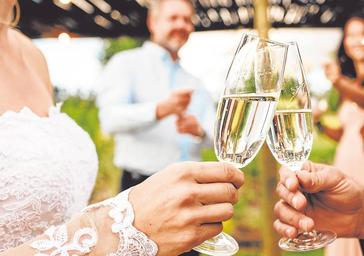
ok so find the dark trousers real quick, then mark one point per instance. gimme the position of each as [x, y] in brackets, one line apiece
[129, 180]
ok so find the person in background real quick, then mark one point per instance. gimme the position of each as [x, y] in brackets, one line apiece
[157, 112]
[347, 76]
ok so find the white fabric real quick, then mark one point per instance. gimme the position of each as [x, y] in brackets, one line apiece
[58, 242]
[132, 242]
[48, 167]
[128, 91]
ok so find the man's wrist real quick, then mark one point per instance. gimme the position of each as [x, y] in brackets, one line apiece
[360, 224]
[202, 133]
[161, 110]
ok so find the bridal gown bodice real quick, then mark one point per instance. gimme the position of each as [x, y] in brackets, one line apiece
[48, 167]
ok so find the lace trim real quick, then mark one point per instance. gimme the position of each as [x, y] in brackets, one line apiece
[28, 112]
[132, 242]
[82, 241]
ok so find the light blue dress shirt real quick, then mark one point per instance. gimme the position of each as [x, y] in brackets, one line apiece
[128, 91]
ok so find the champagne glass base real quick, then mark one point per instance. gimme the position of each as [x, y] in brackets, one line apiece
[220, 245]
[307, 241]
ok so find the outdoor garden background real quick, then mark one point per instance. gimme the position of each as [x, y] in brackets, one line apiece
[246, 225]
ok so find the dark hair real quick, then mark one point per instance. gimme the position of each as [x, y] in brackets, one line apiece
[346, 63]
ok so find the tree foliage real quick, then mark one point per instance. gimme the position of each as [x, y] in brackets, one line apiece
[113, 46]
[85, 113]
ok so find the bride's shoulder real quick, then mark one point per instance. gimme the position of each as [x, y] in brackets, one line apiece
[33, 55]
[24, 43]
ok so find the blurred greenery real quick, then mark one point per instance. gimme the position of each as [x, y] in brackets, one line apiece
[289, 88]
[248, 84]
[245, 226]
[333, 99]
[85, 113]
[252, 252]
[113, 46]
[246, 222]
[313, 253]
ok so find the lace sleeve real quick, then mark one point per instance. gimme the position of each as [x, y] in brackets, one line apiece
[111, 221]
[131, 241]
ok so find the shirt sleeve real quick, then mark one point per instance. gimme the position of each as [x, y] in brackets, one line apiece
[118, 112]
[208, 121]
[204, 108]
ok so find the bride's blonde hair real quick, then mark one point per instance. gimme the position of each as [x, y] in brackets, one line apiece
[16, 16]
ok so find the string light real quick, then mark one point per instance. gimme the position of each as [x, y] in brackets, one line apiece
[64, 38]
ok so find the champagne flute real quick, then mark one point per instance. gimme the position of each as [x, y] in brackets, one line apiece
[290, 139]
[245, 112]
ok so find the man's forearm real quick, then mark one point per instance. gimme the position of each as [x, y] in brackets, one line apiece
[127, 118]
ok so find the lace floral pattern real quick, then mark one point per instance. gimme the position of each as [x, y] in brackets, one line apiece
[83, 240]
[132, 242]
[47, 171]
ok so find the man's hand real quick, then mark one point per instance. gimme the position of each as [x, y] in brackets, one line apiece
[176, 103]
[332, 201]
[188, 124]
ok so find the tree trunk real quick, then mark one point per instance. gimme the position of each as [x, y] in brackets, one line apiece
[266, 163]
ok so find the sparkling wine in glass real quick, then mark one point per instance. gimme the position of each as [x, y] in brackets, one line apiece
[245, 112]
[290, 139]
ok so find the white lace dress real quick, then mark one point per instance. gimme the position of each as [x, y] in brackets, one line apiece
[48, 168]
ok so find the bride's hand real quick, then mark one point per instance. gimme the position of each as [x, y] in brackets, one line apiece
[184, 204]
[178, 208]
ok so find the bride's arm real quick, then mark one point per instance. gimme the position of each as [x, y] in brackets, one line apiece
[58, 238]
[175, 210]
[101, 229]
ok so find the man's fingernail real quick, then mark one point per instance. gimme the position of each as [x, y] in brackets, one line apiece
[295, 202]
[305, 224]
[289, 232]
[289, 183]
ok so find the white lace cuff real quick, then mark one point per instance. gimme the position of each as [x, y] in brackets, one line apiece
[58, 243]
[132, 242]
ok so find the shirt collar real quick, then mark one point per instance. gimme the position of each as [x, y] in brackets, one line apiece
[159, 51]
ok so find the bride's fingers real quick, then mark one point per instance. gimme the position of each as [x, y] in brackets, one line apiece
[215, 213]
[217, 193]
[215, 172]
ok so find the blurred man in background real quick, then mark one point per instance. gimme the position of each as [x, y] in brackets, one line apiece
[158, 112]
